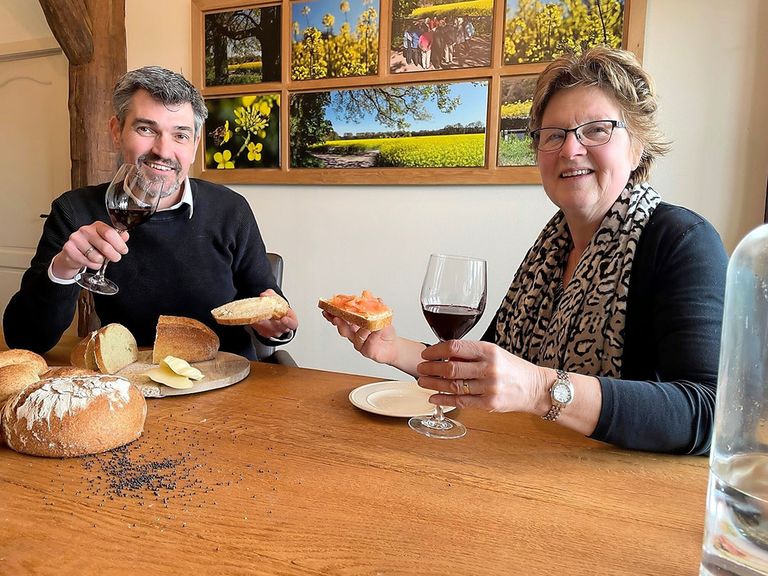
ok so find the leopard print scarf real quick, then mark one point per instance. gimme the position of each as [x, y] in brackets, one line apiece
[579, 328]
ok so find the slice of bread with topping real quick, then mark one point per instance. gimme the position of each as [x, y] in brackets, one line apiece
[250, 310]
[365, 310]
[114, 348]
[184, 338]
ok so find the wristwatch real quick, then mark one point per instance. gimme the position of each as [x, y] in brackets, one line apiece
[561, 394]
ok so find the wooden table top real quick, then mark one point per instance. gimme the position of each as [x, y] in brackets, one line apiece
[280, 474]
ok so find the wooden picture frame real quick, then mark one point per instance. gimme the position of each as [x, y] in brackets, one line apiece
[295, 100]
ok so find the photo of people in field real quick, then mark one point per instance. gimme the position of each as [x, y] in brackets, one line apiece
[406, 126]
[242, 46]
[445, 34]
[514, 143]
[334, 39]
[542, 30]
[242, 132]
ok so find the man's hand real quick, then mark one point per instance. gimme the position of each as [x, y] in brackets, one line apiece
[276, 327]
[89, 246]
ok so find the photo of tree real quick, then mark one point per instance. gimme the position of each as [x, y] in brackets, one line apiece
[334, 39]
[403, 126]
[242, 46]
[440, 34]
[242, 132]
[514, 142]
[541, 30]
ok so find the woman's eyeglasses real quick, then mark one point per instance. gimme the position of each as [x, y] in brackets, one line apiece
[595, 133]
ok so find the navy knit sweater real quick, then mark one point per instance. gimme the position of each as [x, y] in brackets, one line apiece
[175, 265]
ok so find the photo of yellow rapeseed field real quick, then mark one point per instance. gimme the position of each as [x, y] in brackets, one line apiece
[541, 30]
[334, 39]
[514, 143]
[405, 126]
[242, 46]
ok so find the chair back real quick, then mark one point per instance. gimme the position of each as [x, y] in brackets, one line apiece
[276, 261]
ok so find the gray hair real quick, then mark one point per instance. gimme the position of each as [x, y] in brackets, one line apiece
[163, 85]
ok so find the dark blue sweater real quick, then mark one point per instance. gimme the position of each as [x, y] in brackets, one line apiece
[175, 265]
[665, 399]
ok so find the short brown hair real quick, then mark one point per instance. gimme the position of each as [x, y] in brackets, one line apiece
[619, 74]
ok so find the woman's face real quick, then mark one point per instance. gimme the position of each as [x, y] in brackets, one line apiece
[584, 182]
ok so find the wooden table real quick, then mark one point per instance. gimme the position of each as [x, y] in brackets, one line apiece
[280, 474]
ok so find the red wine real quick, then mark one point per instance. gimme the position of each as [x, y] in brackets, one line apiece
[451, 322]
[129, 219]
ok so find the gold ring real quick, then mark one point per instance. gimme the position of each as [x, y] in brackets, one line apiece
[91, 249]
[465, 387]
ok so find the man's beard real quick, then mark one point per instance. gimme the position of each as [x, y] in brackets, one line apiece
[150, 157]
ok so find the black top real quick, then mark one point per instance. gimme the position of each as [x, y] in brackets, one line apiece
[665, 399]
[176, 265]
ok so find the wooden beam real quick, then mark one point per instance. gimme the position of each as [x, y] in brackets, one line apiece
[70, 24]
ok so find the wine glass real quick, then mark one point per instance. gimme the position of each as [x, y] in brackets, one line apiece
[131, 199]
[453, 299]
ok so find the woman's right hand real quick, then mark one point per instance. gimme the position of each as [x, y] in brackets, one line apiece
[380, 346]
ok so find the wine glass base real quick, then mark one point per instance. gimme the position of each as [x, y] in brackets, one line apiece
[97, 284]
[445, 429]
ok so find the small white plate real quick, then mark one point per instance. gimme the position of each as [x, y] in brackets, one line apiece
[393, 398]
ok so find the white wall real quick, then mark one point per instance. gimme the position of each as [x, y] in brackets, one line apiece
[709, 61]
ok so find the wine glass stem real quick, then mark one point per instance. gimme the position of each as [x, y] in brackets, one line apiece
[100, 273]
[438, 415]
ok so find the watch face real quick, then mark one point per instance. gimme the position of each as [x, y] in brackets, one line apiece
[561, 393]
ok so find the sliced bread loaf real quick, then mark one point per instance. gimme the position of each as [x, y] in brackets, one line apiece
[83, 355]
[250, 310]
[114, 348]
[184, 338]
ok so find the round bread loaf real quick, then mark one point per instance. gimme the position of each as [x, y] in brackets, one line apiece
[73, 416]
[15, 377]
[59, 371]
[18, 356]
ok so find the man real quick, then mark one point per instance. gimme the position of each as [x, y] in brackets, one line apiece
[200, 250]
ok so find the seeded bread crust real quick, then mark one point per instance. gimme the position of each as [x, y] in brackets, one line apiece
[114, 348]
[19, 356]
[372, 322]
[73, 416]
[250, 310]
[184, 338]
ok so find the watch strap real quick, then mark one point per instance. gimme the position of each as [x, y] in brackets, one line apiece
[554, 411]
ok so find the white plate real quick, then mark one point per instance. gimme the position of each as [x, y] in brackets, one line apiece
[392, 398]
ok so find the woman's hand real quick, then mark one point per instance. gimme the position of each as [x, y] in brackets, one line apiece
[482, 375]
[89, 246]
[380, 346]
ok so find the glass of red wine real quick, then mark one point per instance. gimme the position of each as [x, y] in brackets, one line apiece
[131, 199]
[453, 299]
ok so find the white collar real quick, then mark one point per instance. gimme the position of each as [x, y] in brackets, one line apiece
[186, 198]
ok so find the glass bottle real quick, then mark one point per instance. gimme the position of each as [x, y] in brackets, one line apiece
[736, 527]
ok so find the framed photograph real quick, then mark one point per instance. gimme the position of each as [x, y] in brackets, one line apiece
[242, 46]
[396, 92]
[440, 36]
[403, 126]
[334, 39]
[243, 132]
[514, 142]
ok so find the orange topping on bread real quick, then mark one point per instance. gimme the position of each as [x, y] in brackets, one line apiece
[366, 304]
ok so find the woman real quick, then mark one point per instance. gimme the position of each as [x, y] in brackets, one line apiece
[611, 326]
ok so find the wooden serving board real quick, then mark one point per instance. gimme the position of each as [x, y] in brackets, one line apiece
[224, 370]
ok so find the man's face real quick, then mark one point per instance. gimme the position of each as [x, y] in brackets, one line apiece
[161, 137]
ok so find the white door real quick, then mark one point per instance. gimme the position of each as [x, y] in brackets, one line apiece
[34, 150]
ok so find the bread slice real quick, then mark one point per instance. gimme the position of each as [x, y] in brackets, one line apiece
[19, 356]
[250, 310]
[83, 355]
[184, 338]
[115, 348]
[356, 315]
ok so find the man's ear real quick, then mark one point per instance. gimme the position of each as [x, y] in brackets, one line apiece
[114, 130]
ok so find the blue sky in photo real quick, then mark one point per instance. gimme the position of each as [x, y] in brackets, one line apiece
[472, 108]
[319, 8]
